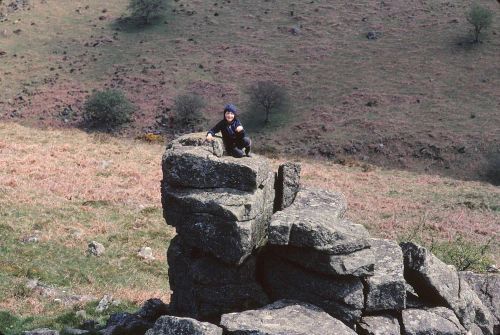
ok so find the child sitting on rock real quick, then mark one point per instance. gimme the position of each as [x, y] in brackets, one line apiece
[233, 134]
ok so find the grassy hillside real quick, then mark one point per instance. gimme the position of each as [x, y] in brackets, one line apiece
[420, 97]
[61, 189]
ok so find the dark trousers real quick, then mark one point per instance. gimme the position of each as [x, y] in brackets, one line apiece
[236, 150]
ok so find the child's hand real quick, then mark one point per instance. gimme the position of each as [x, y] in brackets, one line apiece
[209, 138]
[239, 129]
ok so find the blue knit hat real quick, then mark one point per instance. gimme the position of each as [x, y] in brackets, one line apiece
[231, 108]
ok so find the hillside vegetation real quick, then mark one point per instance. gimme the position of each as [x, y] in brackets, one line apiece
[61, 189]
[420, 96]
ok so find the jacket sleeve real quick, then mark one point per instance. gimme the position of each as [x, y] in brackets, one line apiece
[215, 129]
[240, 134]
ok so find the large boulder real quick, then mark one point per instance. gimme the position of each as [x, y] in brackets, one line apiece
[312, 233]
[204, 287]
[191, 162]
[287, 185]
[221, 205]
[124, 323]
[315, 221]
[386, 289]
[438, 283]
[152, 309]
[225, 203]
[358, 263]
[487, 287]
[435, 321]
[284, 317]
[231, 242]
[379, 325]
[340, 296]
[227, 223]
[171, 325]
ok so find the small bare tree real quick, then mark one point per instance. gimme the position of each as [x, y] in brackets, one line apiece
[267, 97]
[187, 109]
[145, 10]
[480, 18]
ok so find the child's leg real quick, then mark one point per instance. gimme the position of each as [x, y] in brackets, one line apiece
[236, 152]
[245, 143]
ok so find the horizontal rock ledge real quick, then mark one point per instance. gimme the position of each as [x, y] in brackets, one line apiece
[284, 317]
[193, 164]
[359, 263]
[227, 203]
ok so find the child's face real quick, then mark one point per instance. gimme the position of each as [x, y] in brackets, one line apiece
[229, 116]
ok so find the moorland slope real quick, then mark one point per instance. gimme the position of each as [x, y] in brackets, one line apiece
[419, 97]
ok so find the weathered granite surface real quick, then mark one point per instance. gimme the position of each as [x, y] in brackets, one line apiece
[341, 297]
[171, 325]
[233, 255]
[379, 325]
[204, 288]
[435, 321]
[440, 284]
[312, 234]
[284, 317]
[386, 289]
[231, 242]
[358, 263]
[287, 185]
[221, 205]
[227, 223]
[315, 221]
[190, 162]
[226, 203]
[487, 287]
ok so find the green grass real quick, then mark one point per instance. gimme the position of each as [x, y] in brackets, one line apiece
[11, 324]
[461, 252]
[64, 264]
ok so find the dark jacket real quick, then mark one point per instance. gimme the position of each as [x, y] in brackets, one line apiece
[228, 130]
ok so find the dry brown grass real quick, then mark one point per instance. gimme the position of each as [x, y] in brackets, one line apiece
[394, 204]
[52, 167]
[70, 187]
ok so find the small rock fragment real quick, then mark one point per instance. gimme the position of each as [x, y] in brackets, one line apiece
[146, 253]
[95, 249]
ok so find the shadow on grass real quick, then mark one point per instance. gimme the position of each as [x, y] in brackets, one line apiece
[10, 324]
[135, 25]
[101, 130]
[254, 122]
[96, 203]
[464, 43]
[492, 170]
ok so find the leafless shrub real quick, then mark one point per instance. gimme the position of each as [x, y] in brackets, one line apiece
[188, 110]
[267, 97]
